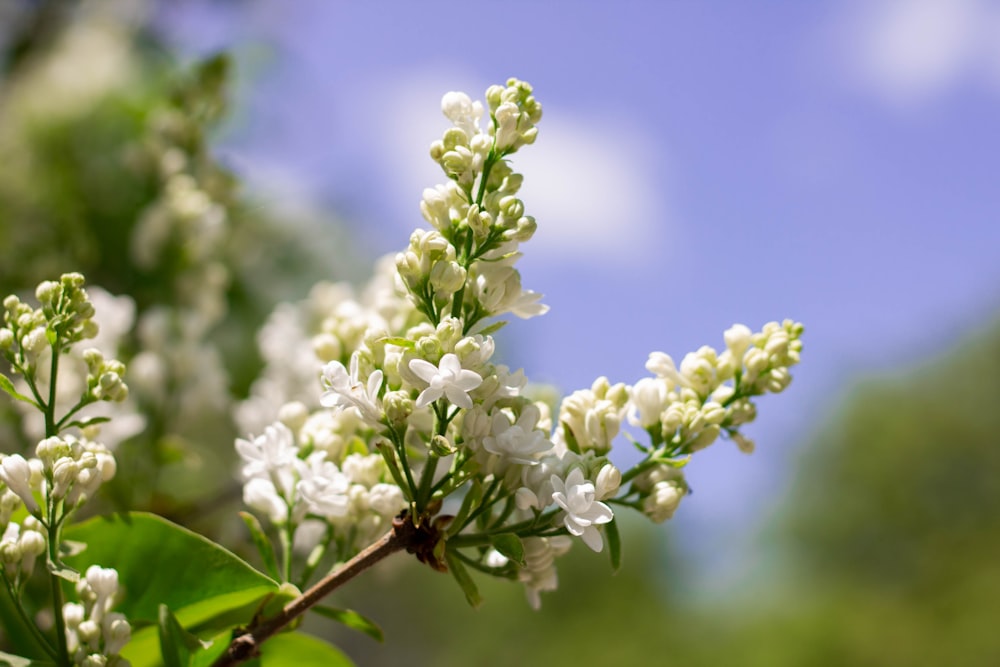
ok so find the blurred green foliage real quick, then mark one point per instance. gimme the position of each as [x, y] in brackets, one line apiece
[108, 170]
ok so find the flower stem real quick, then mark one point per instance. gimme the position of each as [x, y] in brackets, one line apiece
[404, 535]
[26, 622]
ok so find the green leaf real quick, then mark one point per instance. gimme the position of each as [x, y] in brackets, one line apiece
[84, 423]
[215, 647]
[295, 649]
[509, 545]
[159, 562]
[262, 543]
[353, 620]
[493, 328]
[8, 386]
[614, 544]
[176, 644]
[465, 581]
[62, 571]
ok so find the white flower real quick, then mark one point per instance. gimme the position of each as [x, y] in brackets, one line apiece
[15, 472]
[539, 571]
[346, 390]
[386, 499]
[463, 112]
[520, 442]
[273, 450]
[447, 379]
[117, 633]
[270, 456]
[738, 338]
[576, 496]
[259, 494]
[663, 366]
[323, 487]
[648, 398]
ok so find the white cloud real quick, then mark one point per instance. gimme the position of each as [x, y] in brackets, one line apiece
[911, 51]
[589, 181]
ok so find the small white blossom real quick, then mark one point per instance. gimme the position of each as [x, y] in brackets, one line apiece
[346, 390]
[576, 496]
[447, 379]
[520, 442]
[16, 473]
[260, 494]
[323, 487]
[270, 456]
[539, 572]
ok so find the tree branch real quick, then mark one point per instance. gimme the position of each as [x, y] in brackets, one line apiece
[404, 535]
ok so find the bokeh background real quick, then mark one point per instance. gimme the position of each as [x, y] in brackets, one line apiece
[697, 165]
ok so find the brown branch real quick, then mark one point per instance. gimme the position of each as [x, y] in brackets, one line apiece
[404, 535]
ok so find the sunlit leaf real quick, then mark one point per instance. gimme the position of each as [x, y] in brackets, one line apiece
[159, 562]
[176, 644]
[295, 649]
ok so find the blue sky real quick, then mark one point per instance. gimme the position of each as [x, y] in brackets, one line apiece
[698, 164]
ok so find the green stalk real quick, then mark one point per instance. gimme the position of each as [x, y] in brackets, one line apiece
[37, 635]
[57, 595]
[54, 520]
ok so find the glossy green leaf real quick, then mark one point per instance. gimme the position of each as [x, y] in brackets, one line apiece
[614, 544]
[177, 645]
[159, 562]
[463, 578]
[262, 543]
[351, 619]
[509, 545]
[295, 649]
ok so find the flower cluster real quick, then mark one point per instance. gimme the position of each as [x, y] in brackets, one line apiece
[309, 490]
[95, 635]
[409, 381]
[68, 465]
[688, 408]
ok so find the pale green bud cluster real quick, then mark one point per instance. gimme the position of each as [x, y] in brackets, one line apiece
[686, 409]
[770, 354]
[66, 472]
[515, 112]
[64, 316]
[591, 418]
[95, 635]
[104, 377]
[465, 267]
[659, 491]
